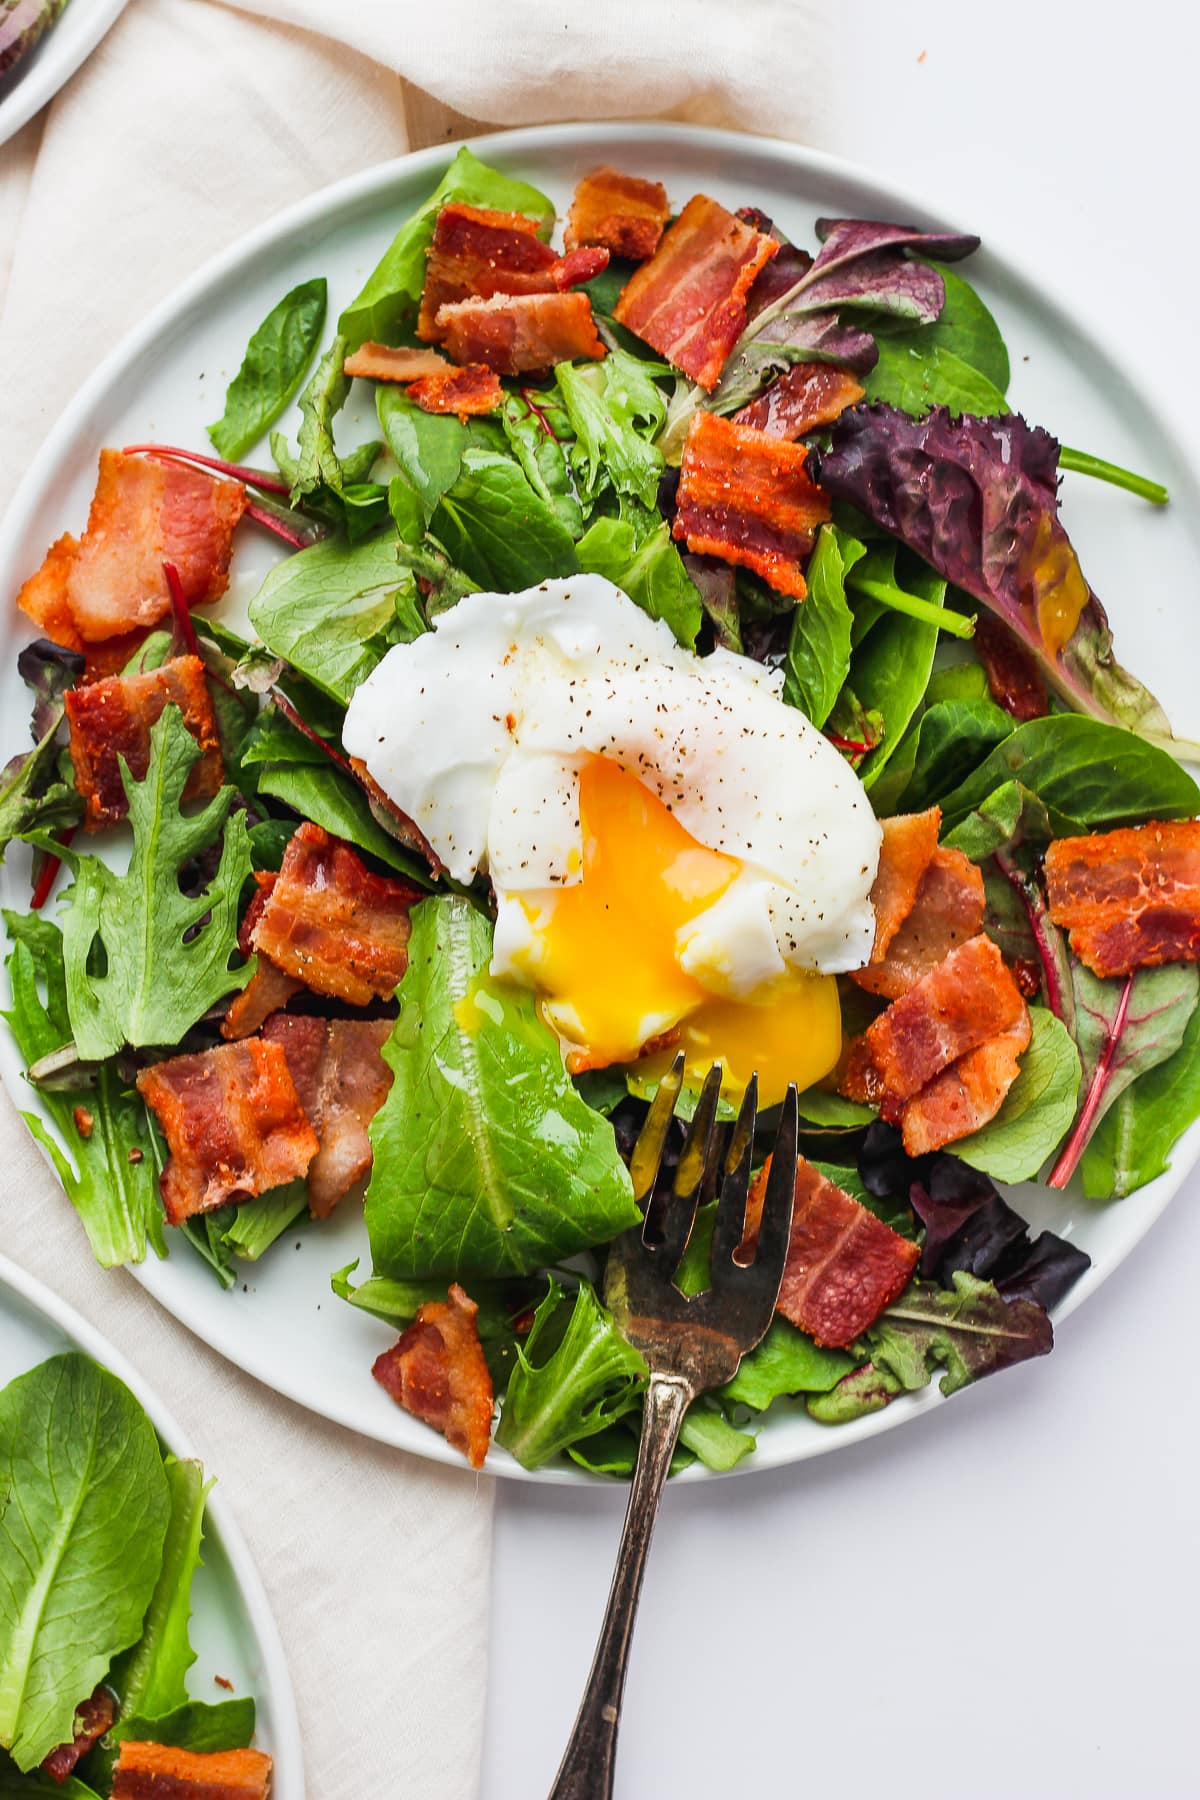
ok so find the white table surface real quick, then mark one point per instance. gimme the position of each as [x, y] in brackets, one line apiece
[998, 1599]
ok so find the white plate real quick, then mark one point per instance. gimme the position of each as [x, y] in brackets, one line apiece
[232, 1632]
[167, 380]
[38, 76]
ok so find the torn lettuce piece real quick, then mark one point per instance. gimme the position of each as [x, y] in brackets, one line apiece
[574, 1376]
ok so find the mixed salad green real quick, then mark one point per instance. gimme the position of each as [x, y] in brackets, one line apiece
[576, 471]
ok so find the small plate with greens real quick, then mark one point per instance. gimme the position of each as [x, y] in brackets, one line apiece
[42, 43]
[130, 1610]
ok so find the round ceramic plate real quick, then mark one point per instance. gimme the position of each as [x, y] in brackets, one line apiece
[232, 1630]
[281, 1322]
[37, 78]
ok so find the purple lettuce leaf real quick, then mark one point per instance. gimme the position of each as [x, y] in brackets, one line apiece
[48, 671]
[967, 1329]
[786, 269]
[716, 583]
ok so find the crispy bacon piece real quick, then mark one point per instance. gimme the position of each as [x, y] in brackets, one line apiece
[233, 1123]
[387, 362]
[92, 1719]
[1013, 677]
[111, 719]
[342, 1081]
[476, 253]
[437, 1372]
[269, 989]
[161, 1772]
[965, 1000]
[468, 392]
[909, 843]
[807, 395]
[689, 301]
[145, 511]
[746, 497]
[843, 1264]
[517, 334]
[968, 1093]
[331, 923]
[1131, 898]
[948, 909]
[622, 213]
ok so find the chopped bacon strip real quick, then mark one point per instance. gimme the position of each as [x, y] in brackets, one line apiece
[746, 497]
[909, 843]
[331, 923]
[342, 1081]
[386, 362]
[162, 1772]
[620, 212]
[1130, 899]
[437, 1372]
[111, 719]
[476, 253]
[689, 301]
[807, 395]
[517, 334]
[92, 1719]
[468, 392]
[269, 989]
[1013, 677]
[967, 1094]
[965, 1000]
[948, 909]
[145, 511]
[233, 1123]
[843, 1264]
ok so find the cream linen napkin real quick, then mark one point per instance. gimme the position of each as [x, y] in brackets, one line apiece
[190, 123]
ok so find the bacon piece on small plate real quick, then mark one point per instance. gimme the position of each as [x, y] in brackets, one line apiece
[965, 1000]
[145, 511]
[476, 253]
[388, 362]
[746, 497]
[92, 1719]
[161, 1772]
[909, 843]
[843, 1264]
[1130, 899]
[342, 1080]
[948, 909]
[469, 391]
[233, 1123]
[437, 1372]
[966, 1095]
[807, 395]
[689, 301]
[623, 213]
[518, 334]
[331, 923]
[112, 719]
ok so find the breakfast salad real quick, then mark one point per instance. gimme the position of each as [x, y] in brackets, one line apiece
[694, 669]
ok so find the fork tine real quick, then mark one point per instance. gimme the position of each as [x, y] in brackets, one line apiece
[731, 1214]
[647, 1156]
[775, 1230]
[669, 1217]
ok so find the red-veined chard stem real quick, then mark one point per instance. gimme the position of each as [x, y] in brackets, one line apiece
[1022, 886]
[50, 868]
[179, 608]
[258, 478]
[284, 522]
[527, 396]
[1081, 1131]
[314, 737]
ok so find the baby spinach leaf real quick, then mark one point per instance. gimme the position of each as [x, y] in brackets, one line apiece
[574, 1375]
[320, 792]
[195, 1726]
[429, 446]
[1135, 1138]
[321, 609]
[537, 429]
[952, 739]
[1037, 1110]
[832, 1111]
[108, 1176]
[487, 1162]
[272, 369]
[387, 305]
[637, 554]
[493, 526]
[1011, 814]
[143, 959]
[964, 327]
[890, 669]
[914, 377]
[818, 652]
[615, 408]
[785, 1362]
[968, 1330]
[81, 1542]
[151, 1677]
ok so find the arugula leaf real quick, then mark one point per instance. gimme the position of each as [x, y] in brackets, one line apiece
[487, 1162]
[818, 652]
[785, 1362]
[968, 1330]
[272, 369]
[1037, 1110]
[890, 669]
[605, 404]
[495, 527]
[952, 738]
[574, 1376]
[389, 299]
[108, 1177]
[321, 793]
[144, 960]
[537, 430]
[151, 1677]
[636, 553]
[1135, 1137]
[429, 447]
[81, 1541]
[324, 609]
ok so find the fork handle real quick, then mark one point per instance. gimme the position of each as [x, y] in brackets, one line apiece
[586, 1771]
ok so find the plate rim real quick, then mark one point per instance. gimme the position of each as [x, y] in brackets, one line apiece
[289, 1778]
[511, 145]
[49, 74]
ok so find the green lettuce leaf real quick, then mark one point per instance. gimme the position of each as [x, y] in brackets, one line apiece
[151, 1677]
[575, 1374]
[81, 1543]
[320, 792]
[429, 447]
[707, 1433]
[1135, 1137]
[967, 1330]
[493, 526]
[1037, 1110]
[257, 1224]
[325, 608]
[33, 796]
[636, 553]
[272, 369]
[225, 1725]
[615, 409]
[134, 976]
[486, 1160]
[318, 466]
[537, 430]
[785, 1362]
[818, 652]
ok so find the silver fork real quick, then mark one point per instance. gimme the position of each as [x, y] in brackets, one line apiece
[690, 1344]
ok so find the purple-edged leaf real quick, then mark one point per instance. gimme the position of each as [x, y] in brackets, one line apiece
[786, 269]
[969, 1330]
[1048, 1273]
[716, 584]
[879, 282]
[792, 338]
[864, 1390]
[48, 671]
[845, 238]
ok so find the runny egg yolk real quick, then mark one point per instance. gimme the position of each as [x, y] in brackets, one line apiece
[604, 955]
